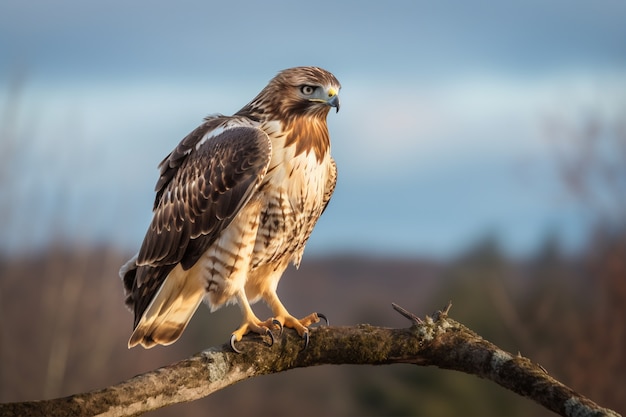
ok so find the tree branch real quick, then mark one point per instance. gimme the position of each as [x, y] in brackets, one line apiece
[437, 341]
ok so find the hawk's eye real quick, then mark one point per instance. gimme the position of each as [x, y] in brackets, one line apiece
[307, 89]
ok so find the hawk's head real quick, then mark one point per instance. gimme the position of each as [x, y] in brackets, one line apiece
[299, 91]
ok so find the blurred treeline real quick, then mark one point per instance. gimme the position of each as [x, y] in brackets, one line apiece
[63, 326]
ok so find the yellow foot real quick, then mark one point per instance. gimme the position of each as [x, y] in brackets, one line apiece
[247, 327]
[300, 325]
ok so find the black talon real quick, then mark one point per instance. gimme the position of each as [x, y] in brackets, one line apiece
[232, 341]
[271, 336]
[280, 326]
[323, 316]
[305, 336]
[232, 344]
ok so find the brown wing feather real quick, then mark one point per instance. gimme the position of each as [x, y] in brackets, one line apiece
[198, 196]
[170, 164]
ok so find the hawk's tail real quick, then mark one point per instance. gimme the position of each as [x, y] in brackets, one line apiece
[169, 312]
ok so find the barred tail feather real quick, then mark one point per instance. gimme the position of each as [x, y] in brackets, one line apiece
[168, 314]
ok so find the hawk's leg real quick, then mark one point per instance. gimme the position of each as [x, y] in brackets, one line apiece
[249, 324]
[284, 319]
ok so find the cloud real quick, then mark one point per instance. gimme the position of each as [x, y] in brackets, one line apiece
[70, 38]
[438, 98]
[471, 117]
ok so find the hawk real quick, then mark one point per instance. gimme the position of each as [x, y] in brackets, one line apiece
[236, 202]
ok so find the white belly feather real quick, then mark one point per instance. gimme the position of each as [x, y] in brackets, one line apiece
[271, 230]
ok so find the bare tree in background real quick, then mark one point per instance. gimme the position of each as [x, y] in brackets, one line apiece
[8, 143]
[48, 296]
[9, 124]
[591, 159]
[587, 293]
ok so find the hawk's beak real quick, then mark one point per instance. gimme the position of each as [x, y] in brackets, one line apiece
[333, 100]
[329, 97]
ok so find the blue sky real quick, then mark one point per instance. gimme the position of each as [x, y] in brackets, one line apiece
[440, 140]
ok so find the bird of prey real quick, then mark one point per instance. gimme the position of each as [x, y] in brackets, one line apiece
[236, 202]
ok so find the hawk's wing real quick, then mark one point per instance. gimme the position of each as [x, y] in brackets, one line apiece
[204, 183]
